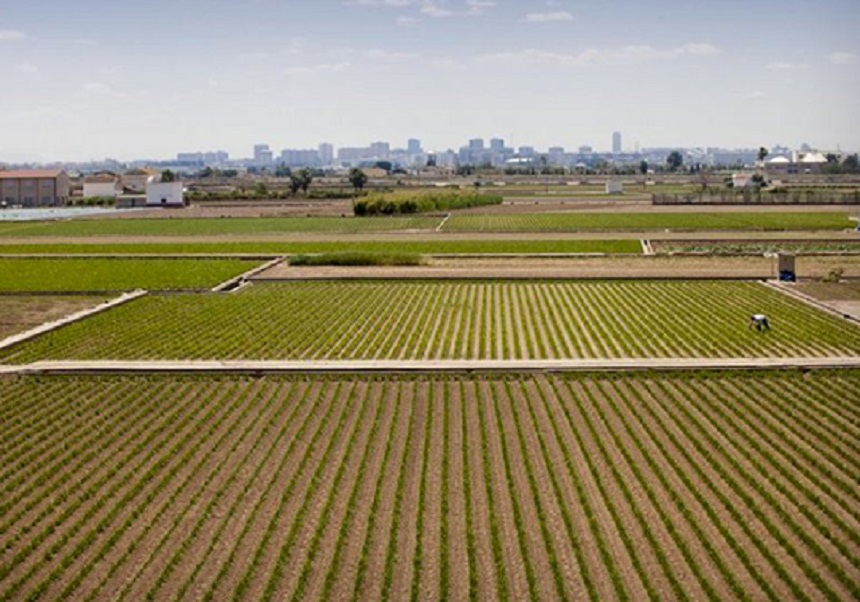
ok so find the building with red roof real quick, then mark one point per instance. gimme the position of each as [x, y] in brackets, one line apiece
[34, 187]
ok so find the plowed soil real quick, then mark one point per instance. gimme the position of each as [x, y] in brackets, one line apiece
[728, 486]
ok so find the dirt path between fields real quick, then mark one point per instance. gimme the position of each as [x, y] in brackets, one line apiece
[611, 266]
[432, 236]
[424, 366]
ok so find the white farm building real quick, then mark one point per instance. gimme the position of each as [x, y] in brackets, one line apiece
[164, 194]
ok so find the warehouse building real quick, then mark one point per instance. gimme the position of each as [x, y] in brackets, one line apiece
[34, 188]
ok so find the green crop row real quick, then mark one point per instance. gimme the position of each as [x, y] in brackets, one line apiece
[714, 485]
[453, 320]
[422, 247]
[575, 221]
[757, 248]
[85, 275]
[356, 259]
[215, 226]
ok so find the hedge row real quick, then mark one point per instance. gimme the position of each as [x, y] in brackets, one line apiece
[421, 202]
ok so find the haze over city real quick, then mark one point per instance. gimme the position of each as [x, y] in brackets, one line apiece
[148, 79]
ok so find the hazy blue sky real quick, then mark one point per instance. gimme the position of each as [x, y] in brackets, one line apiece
[109, 78]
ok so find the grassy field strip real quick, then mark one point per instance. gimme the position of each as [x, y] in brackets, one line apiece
[452, 321]
[218, 227]
[423, 247]
[617, 486]
[88, 275]
[565, 222]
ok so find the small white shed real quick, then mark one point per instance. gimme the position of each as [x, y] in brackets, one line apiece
[164, 194]
[742, 180]
[614, 187]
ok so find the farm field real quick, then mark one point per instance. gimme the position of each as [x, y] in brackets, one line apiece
[453, 320]
[214, 226]
[76, 275]
[578, 267]
[21, 313]
[563, 222]
[758, 248]
[728, 486]
[425, 247]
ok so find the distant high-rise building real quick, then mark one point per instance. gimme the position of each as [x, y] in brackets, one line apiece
[555, 155]
[380, 150]
[413, 147]
[476, 144]
[497, 144]
[585, 150]
[527, 152]
[616, 143]
[262, 154]
[300, 157]
[326, 153]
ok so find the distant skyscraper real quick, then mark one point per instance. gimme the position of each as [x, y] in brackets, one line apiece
[380, 150]
[262, 154]
[476, 144]
[326, 153]
[616, 143]
[413, 147]
[497, 144]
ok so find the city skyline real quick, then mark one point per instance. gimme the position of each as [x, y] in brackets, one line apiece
[156, 78]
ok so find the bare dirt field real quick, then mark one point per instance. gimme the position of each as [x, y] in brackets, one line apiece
[727, 486]
[21, 313]
[675, 267]
[843, 297]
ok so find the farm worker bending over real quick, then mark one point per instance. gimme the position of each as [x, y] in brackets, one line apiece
[759, 321]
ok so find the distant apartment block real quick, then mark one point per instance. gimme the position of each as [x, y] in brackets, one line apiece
[300, 158]
[616, 143]
[262, 155]
[326, 153]
[413, 146]
[32, 188]
[203, 159]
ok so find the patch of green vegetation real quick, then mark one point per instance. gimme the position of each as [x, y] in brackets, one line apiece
[757, 248]
[396, 203]
[357, 259]
[81, 275]
[422, 247]
[571, 222]
[494, 319]
[219, 226]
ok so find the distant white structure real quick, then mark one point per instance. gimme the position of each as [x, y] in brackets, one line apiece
[742, 180]
[615, 187]
[164, 194]
[102, 186]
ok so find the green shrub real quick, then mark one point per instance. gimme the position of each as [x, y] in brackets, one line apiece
[357, 259]
[421, 202]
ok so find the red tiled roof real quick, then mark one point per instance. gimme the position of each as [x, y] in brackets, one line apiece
[30, 173]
